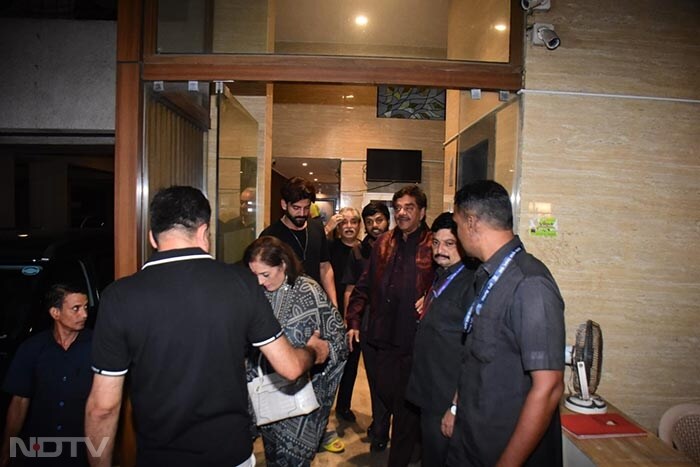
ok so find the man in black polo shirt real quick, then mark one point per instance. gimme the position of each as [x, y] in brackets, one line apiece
[49, 380]
[180, 328]
[512, 368]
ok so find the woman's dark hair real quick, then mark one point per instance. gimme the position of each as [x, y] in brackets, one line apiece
[274, 252]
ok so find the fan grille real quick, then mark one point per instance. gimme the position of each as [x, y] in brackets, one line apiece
[588, 349]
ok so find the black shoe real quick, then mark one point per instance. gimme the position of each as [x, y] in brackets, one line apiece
[346, 415]
[377, 446]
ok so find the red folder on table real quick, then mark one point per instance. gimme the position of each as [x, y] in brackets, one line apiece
[607, 425]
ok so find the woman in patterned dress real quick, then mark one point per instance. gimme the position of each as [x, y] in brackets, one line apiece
[301, 306]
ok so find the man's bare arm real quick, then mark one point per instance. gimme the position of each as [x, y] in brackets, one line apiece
[102, 415]
[16, 415]
[328, 282]
[543, 398]
[291, 362]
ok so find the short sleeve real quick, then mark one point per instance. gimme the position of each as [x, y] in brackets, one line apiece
[353, 269]
[264, 327]
[19, 380]
[110, 355]
[538, 320]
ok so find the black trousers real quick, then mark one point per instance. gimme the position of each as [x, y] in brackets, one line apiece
[434, 443]
[381, 417]
[393, 371]
[347, 382]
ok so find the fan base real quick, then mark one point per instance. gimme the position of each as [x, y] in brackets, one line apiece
[594, 405]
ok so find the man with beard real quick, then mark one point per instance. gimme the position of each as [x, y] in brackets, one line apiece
[438, 343]
[50, 380]
[375, 216]
[306, 236]
[400, 271]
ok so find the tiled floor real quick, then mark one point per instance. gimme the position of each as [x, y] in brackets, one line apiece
[354, 435]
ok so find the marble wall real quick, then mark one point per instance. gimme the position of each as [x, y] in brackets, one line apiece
[609, 145]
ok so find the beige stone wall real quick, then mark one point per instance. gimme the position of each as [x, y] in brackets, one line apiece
[622, 176]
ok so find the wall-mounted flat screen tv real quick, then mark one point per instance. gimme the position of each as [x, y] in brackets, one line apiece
[394, 165]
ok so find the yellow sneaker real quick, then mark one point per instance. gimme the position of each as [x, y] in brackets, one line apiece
[332, 443]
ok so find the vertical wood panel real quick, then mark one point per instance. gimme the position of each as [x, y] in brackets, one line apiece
[175, 149]
[129, 14]
[127, 177]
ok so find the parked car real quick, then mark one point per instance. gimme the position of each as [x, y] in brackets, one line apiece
[30, 264]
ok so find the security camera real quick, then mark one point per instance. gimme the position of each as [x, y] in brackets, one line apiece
[529, 5]
[543, 34]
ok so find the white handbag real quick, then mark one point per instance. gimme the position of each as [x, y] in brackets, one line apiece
[275, 398]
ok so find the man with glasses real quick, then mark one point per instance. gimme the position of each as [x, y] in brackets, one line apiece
[399, 272]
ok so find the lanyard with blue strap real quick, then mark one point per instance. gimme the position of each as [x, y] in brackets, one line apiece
[446, 282]
[435, 293]
[478, 303]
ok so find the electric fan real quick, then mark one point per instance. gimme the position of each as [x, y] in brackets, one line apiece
[586, 359]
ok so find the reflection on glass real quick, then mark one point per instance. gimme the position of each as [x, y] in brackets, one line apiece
[241, 125]
[474, 30]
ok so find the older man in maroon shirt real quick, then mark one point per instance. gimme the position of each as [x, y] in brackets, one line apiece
[399, 272]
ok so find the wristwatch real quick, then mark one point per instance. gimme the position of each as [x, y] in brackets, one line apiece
[453, 409]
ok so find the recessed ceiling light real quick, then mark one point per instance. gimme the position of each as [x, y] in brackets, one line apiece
[361, 20]
[304, 164]
[350, 96]
[23, 235]
[500, 27]
[311, 173]
[349, 107]
[315, 179]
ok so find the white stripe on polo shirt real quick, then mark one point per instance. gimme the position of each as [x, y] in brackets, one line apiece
[176, 258]
[267, 341]
[109, 373]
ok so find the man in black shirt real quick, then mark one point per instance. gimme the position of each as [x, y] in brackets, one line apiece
[306, 236]
[180, 328]
[341, 246]
[436, 352]
[512, 368]
[49, 380]
[375, 216]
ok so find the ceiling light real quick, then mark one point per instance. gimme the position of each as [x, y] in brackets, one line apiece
[349, 107]
[23, 235]
[350, 96]
[315, 179]
[361, 20]
[500, 27]
[304, 164]
[311, 173]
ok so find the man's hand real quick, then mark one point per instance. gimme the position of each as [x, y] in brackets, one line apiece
[353, 335]
[447, 425]
[319, 346]
[419, 305]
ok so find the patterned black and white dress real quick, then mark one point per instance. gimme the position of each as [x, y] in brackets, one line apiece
[301, 309]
